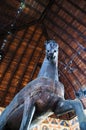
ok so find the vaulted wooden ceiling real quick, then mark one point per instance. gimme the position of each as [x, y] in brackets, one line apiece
[22, 36]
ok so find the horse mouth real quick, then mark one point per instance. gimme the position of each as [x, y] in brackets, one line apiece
[51, 58]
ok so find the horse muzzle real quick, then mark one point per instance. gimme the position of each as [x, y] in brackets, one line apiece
[51, 56]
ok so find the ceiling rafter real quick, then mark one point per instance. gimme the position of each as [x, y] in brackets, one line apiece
[70, 14]
[10, 61]
[71, 2]
[3, 100]
[69, 35]
[20, 81]
[69, 24]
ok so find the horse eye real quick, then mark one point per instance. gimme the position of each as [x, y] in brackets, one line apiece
[54, 50]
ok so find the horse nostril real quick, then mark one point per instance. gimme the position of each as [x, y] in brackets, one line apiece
[51, 54]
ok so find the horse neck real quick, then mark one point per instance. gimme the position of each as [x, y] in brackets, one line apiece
[49, 70]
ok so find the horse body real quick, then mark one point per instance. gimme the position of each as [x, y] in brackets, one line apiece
[40, 98]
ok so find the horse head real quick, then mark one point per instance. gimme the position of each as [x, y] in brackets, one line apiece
[51, 50]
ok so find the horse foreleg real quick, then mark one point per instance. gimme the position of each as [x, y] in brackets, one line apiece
[29, 110]
[73, 105]
[38, 120]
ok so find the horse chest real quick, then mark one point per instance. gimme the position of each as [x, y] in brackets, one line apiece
[45, 101]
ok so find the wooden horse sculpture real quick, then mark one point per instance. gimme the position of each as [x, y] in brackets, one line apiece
[41, 97]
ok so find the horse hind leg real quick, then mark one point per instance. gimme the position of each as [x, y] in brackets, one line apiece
[29, 110]
[65, 106]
